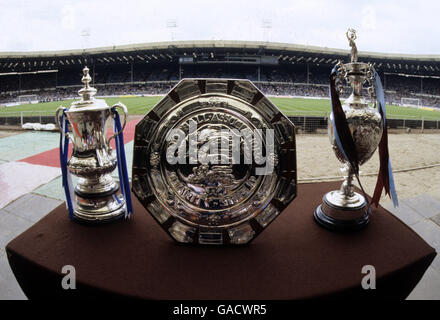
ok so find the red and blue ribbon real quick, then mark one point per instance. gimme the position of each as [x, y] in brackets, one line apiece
[343, 137]
[385, 179]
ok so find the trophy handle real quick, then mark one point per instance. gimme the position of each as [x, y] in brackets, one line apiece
[370, 80]
[59, 125]
[124, 108]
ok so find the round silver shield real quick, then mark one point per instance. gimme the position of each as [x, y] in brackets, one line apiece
[214, 162]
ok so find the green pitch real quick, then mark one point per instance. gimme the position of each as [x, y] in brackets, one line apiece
[289, 106]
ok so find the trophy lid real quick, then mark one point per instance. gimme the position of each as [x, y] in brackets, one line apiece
[87, 101]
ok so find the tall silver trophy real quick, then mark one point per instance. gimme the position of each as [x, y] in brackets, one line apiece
[95, 197]
[345, 209]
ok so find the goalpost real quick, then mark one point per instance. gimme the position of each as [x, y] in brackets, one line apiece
[28, 98]
[410, 102]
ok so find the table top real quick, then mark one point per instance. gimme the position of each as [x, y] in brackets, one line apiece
[293, 258]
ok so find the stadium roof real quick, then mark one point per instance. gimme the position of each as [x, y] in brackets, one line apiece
[233, 44]
[167, 51]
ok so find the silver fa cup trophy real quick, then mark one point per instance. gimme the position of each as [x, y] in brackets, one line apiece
[95, 198]
[345, 209]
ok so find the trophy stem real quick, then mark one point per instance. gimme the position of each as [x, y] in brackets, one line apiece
[347, 185]
[343, 209]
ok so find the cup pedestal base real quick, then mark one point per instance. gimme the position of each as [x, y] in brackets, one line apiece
[342, 216]
[99, 208]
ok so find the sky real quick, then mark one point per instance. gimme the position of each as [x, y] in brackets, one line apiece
[388, 26]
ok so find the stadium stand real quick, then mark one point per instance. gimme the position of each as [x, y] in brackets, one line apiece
[153, 68]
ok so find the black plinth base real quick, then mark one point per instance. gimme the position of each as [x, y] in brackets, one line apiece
[340, 225]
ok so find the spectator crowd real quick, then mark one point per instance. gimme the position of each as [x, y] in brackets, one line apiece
[271, 81]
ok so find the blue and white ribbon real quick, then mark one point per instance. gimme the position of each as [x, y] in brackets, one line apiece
[66, 176]
[122, 162]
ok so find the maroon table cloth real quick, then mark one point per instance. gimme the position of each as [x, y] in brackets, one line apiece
[293, 258]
